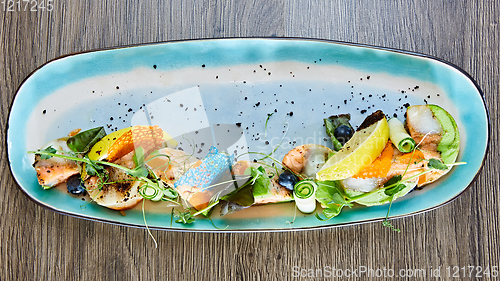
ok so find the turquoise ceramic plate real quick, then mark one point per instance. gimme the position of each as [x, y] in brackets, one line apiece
[220, 92]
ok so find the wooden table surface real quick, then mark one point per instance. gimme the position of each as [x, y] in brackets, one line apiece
[38, 244]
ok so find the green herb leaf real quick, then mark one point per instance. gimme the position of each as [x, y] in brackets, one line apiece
[185, 217]
[93, 169]
[49, 149]
[436, 164]
[388, 224]
[139, 172]
[139, 156]
[329, 194]
[170, 193]
[261, 182]
[83, 141]
[393, 180]
[243, 197]
[395, 189]
[397, 186]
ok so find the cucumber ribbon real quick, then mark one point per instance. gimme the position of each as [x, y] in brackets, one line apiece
[399, 137]
[303, 193]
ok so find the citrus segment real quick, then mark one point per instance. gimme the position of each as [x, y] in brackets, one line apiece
[117, 144]
[359, 152]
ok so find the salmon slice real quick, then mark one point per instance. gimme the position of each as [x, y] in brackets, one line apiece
[53, 171]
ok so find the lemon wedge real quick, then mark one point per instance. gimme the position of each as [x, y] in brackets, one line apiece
[121, 142]
[360, 151]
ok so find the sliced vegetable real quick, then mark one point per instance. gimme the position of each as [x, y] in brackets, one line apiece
[304, 196]
[399, 137]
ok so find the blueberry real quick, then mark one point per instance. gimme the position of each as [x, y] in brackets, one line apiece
[287, 180]
[343, 133]
[75, 185]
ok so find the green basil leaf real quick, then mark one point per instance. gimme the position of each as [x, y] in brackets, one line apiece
[243, 197]
[83, 141]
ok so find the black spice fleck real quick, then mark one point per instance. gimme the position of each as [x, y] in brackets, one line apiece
[154, 66]
[202, 65]
[238, 124]
[44, 111]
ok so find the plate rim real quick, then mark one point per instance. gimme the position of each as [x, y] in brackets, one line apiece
[259, 230]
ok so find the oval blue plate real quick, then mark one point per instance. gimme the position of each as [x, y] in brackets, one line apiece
[196, 90]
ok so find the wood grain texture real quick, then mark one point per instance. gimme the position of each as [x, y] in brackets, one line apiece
[37, 244]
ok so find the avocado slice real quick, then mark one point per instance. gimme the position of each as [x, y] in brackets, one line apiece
[379, 197]
[450, 140]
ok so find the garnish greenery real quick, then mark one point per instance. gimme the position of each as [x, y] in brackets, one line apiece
[83, 141]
